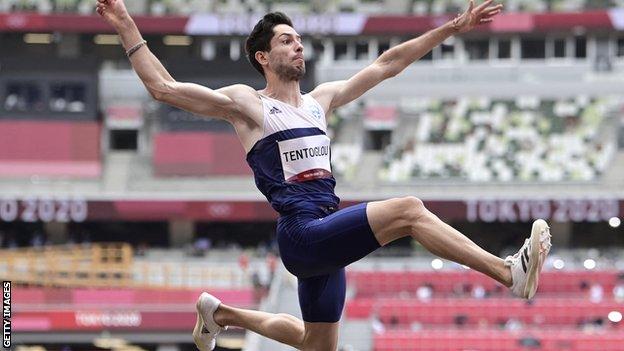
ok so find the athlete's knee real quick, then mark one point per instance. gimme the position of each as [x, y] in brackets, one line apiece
[320, 340]
[412, 208]
[318, 344]
[287, 320]
[283, 321]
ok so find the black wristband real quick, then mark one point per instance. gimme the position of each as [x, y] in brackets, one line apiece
[135, 48]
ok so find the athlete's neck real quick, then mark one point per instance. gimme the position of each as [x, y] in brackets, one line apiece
[287, 92]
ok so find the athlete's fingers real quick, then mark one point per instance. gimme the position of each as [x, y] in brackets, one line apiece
[489, 17]
[484, 5]
[493, 9]
[470, 6]
[493, 13]
[490, 14]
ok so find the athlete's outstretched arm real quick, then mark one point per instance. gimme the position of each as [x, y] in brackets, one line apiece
[395, 60]
[188, 96]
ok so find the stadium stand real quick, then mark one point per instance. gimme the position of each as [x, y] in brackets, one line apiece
[448, 283]
[457, 310]
[497, 341]
[198, 154]
[523, 140]
[44, 99]
[74, 154]
[418, 7]
[89, 287]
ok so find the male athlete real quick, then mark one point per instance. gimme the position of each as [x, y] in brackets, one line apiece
[284, 135]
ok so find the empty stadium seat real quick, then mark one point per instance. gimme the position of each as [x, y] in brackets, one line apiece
[560, 317]
[50, 149]
[493, 311]
[523, 140]
[497, 340]
[379, 283]
[198, 154]
[126, 297]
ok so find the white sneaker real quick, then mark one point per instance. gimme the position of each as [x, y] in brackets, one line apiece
[527, 263]
[206, 329]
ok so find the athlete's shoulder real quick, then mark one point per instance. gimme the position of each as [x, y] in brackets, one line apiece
[322, 90]
[246, 99]
[324, 93]
[240, 91]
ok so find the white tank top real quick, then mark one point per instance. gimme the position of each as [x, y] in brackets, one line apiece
[305, 157]
[291, 162]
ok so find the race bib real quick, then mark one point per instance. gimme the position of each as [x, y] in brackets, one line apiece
[305, 158]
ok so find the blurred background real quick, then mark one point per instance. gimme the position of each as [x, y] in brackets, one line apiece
[116, 211]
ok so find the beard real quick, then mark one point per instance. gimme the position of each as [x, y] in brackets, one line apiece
[289, 73]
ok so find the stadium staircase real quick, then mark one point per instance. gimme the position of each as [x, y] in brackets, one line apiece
[117, 171]
[366, 171]
[614, 174]
[282, 298]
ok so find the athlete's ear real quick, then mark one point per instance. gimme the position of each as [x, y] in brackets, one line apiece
[262, 57]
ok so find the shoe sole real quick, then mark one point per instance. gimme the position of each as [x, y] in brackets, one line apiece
[197, 330]
[532, 274]
[199, 324]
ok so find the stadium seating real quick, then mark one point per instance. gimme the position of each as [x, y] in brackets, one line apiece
[49, 310]
[418, 7]
[127, 298]
[449, 317]
[27, 150]
[345, 159]
[528, 139]
[497, 340]
[444, 283]
[492, 311]
[198, 154]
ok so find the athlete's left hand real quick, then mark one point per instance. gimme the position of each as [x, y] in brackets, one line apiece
[475, 16]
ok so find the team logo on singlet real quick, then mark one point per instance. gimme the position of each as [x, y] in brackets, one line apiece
[305, 158]
[316, 112]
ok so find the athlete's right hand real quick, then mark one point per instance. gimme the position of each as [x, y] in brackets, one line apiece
[113, 11]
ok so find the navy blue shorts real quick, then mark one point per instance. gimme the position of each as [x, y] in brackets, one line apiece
[315, 245]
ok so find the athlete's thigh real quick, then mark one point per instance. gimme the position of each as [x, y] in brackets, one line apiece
[320, 336]
[339, 239]
[392, 219]
[322, 298]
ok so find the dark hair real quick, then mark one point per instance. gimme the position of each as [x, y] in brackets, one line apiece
[260, 37]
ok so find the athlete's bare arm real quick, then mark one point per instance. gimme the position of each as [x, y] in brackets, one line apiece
[222, 103]
[392, 62]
